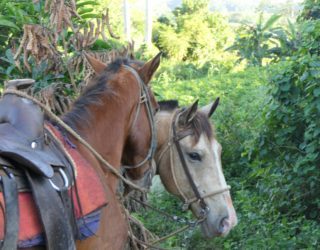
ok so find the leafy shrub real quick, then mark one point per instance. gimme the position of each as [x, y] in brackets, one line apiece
[255, 42]
[192, 33]
[290, 140]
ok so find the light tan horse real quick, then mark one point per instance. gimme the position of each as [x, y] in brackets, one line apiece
[202, 187]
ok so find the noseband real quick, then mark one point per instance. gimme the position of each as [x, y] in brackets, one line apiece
[175, 137]
[144, 99]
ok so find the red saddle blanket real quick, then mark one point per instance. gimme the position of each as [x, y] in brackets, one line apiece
[89, 186]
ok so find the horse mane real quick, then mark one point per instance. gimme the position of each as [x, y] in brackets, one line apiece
[168, 105]
[92, 94]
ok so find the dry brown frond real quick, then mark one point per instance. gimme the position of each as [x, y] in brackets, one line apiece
[106, 20]
[37, 41]
[61, 12]
[54, 97]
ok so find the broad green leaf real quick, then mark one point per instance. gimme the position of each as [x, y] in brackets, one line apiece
[7, 23]
[316, 92]
[81, 12]
[81, 4]
[90, 15]
[9, 56]
[271, 21]
[285, 87]
[304, 76]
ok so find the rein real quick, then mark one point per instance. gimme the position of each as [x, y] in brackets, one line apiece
[144, 99]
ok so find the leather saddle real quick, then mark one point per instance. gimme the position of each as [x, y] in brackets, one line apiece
[27, 147]
[22, 134]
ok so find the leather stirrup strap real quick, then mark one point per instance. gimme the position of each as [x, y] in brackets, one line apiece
[10, 193]
[59, 235]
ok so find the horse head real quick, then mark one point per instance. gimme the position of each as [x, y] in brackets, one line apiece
[189, 164]
[140, 143]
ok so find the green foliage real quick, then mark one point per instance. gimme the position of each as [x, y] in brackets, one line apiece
[290, 140]
[311, 10]
[13, 14]
[255, 42]
[161, 225]
[192, 33]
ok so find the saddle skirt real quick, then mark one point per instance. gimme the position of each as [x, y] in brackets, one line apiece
[87, 204]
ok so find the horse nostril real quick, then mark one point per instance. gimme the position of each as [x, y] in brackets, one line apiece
[224, 225]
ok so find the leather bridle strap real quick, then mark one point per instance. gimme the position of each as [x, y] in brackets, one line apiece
[58, 231]
[10, 193]
[176, 140]
[144, 98]
[190, 201]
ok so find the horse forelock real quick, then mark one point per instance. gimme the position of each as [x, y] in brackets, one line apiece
[201, 124]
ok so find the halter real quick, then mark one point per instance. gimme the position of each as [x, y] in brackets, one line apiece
[144, 98]
[175, 137]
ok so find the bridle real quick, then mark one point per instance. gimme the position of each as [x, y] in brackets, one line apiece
[145, 99]
[174, 139]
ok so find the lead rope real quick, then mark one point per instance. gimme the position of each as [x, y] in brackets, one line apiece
[77, 136]
[190, 224]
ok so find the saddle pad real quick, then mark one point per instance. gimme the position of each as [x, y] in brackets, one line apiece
[90, 192]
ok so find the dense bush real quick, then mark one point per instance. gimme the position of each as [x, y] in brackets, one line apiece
[192, 32]
[254, 42]
[290, 141]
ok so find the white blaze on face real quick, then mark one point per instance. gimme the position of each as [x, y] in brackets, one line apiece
[216, 147]
[210, 178]
[217, 155]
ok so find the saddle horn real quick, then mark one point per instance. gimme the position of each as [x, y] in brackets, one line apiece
[19, 84]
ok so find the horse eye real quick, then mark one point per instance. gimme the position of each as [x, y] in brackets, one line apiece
[194, 156]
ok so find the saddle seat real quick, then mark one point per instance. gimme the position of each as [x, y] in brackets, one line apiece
[22, 135]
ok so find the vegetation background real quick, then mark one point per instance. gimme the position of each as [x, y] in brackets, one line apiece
[264, 64]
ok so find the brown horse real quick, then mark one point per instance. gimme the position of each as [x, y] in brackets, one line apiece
[188, 160]
[113, 116]
[120, 123]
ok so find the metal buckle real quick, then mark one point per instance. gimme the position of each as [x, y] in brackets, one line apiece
[143, 98]
[185, 206]
[6, 170]
[65, 181]
[204, 212]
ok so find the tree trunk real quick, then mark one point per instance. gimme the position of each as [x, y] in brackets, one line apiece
[126, 20]
[148, 24]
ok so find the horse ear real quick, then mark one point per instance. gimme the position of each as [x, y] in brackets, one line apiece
[96, 64]
[209, 109]
[147, 70]
[188, 114]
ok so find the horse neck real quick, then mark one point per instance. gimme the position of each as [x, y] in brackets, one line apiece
[107, 132]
